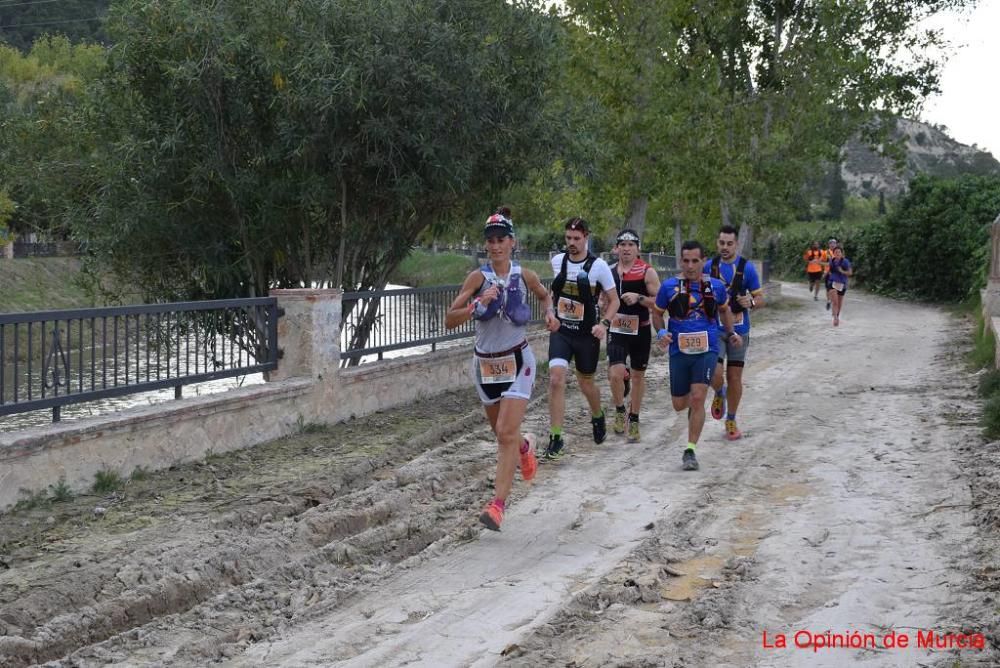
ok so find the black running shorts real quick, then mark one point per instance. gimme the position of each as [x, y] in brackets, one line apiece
[584, 348]
[633, 346]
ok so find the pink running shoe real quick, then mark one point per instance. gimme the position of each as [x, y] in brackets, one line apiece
[492, 516]
[529, 462]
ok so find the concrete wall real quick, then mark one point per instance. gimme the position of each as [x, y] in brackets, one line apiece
[990, 295]
[309, 387]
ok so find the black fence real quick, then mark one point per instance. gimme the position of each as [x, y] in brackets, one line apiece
[662, 263]
[480, 254]
[49, 359]
[375, 323]
[49, 249]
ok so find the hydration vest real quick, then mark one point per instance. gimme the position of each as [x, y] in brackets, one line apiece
[736, 287]
[637, 285]
[679, 306]
[584, 294]
[511, 299]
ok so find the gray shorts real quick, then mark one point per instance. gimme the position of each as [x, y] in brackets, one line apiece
[491, 393]
[730, 354]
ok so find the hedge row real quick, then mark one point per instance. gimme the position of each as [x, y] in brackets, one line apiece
[934, 246]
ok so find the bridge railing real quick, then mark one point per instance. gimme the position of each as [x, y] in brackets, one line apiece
[49, 359]
[405, 318]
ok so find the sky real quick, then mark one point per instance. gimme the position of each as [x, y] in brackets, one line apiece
[969, 102]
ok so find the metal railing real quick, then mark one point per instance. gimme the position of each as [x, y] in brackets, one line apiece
[47, 249]
[662, 262]
[377, 322]
[50, 359]
[480, 254]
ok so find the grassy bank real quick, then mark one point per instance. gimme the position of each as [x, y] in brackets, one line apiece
[424, 269]
[41, 284]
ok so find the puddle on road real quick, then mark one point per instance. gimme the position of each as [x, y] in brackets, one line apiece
[785, 494]
[698, 573]
[749, 529]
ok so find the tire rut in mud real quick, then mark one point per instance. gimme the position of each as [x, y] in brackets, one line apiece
[296, 549]
[650, 607]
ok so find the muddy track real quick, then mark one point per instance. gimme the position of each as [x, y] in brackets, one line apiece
[340, 527]
[847, 506]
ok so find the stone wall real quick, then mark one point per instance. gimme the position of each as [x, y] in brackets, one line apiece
[309, 387]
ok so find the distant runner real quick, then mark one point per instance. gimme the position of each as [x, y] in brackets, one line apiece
[745, 295]
[630, 337]
[831, 246]
[836, 283]
[695, 303]
[580, 277]
[815, 258]
[503, 366]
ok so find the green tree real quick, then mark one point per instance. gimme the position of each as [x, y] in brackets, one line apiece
[936, 240]
[270, 143]
[737, 103]
[7, 208]
[46, 143]
[23, 22]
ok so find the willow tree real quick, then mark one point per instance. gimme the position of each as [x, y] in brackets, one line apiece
[279, 143]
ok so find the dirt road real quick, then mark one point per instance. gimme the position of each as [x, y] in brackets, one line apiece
[861, 499]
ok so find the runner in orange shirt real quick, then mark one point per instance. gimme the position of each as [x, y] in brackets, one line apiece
[815, 257]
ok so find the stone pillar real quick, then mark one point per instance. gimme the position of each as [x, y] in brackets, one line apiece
[991, 294]
[308, 334]
[995, 253]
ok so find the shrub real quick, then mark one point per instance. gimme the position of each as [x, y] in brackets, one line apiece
[933, 246]
[107, 481]
[61, 492]
[937, 241]
[991, 417]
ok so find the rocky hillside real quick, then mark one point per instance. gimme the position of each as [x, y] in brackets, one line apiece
[928, 151]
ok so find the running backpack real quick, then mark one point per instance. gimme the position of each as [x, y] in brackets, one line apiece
[583, 289]
[734, 288]
[512, 298]
[679, 305]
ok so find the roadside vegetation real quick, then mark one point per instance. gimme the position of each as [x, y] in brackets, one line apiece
[423, 268]
[41, 284]
[910, 253]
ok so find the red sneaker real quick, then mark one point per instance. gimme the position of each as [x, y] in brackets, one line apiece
[529, 462]
[492, 516]
[732, 432]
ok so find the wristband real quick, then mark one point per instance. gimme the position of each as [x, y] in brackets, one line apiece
[478, 310]
[605, 322]
[660, 334]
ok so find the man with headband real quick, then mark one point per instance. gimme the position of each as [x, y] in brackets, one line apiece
[629, 335]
